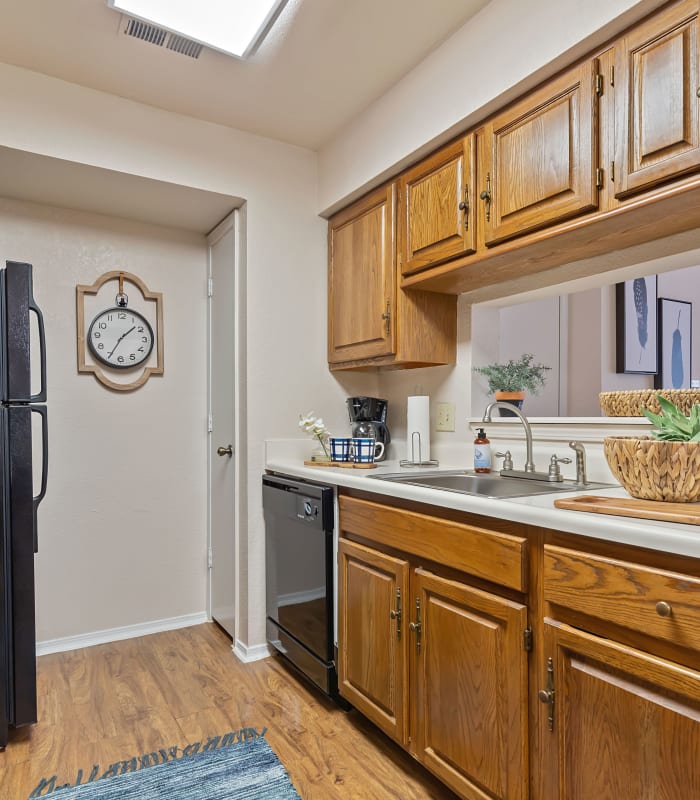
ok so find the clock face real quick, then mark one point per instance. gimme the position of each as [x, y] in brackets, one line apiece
[120, 338]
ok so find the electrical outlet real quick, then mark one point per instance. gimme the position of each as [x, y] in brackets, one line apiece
[445, 417]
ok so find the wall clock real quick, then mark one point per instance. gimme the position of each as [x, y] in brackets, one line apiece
[123, 346]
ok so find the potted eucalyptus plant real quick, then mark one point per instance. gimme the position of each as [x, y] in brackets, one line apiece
[509, 381]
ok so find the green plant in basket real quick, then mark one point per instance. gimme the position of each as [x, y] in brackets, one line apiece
[672, 425]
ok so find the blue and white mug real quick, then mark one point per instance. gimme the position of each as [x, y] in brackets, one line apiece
[340, 448]
[365, 449]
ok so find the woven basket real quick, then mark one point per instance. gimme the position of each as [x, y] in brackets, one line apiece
[630, 404]
[653, 470]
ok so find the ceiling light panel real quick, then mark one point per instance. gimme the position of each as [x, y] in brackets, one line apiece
[235, 27]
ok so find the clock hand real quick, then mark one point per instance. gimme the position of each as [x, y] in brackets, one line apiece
[133, 327]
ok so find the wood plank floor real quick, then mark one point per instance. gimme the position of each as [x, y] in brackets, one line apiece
[115, 701]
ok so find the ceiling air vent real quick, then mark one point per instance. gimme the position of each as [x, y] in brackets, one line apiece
[161, 38]
[180, 44]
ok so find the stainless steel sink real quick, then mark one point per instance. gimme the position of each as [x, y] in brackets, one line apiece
[489, 485]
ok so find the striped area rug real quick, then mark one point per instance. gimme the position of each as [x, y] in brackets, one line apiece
[239, 765]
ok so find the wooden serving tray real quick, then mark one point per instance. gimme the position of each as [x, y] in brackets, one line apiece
[689, 513]
[341, 464]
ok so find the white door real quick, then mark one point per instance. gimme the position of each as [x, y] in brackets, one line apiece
[222, 326]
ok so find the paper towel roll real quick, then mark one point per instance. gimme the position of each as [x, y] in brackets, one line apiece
[418, 422]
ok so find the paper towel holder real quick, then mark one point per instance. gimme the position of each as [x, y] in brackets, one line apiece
[415, 438]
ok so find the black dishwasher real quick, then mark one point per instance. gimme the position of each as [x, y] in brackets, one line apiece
[299, 576]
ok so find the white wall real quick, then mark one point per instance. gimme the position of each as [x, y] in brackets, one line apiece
[507, 48]
[285, 303]
[122, 529]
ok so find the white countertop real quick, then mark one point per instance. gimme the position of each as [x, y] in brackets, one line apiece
[538, 510]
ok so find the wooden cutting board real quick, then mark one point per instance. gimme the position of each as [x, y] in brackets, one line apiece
[689, 513]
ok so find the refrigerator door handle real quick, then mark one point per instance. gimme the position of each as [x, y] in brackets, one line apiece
[41, 396]
[41, 410]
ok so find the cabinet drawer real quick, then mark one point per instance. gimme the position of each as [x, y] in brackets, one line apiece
[646, 600]
[494, 556]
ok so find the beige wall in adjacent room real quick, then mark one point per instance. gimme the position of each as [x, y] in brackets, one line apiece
[122, 529]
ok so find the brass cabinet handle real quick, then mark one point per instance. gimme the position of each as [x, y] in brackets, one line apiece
[663, 609]
[386, 316]
[547, 695]
[397, 614]
[225, 451]
[416, 626]
[486, 196]
[464, 206]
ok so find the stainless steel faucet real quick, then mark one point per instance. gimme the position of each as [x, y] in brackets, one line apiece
[529, 463]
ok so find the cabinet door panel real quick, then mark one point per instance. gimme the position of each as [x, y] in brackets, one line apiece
[361, 280]
[627, 724]
[658, 120]
[436, 208]
[540, 163]
[372, 667]
[471, 680]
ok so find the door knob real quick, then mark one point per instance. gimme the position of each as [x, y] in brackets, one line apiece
[225, 451]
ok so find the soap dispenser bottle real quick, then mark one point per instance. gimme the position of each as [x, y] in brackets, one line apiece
[482, 452]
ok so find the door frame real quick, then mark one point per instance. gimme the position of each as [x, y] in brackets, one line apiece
[236, 220]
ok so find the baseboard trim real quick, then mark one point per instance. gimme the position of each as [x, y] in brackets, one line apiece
[248, 654]
[117, 634]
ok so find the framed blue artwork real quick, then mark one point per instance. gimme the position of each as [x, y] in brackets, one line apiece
[675, 331]
[635, 326]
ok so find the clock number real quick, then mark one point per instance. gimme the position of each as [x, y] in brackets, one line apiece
[120, 359]
[141, 350]
[139, 329]
[121, 315]
[102, 325]
[144, 339]
[97, 334]
[100, 346]
[132, 357]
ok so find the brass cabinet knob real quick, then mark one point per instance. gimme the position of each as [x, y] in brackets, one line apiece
[545, 696]
[663, 609]
[225, 451]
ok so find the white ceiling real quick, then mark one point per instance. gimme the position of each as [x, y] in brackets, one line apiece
[324, 62]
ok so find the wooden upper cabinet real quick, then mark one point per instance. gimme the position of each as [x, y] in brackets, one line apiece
[436, 221]
[362, 278]
[626, 725]
[371, 322]
[373, 635]
[539, 160]
[471, 668]
[657, 81]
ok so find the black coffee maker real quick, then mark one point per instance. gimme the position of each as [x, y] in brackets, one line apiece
[368, 418]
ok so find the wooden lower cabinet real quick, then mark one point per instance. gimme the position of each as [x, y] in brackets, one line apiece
[626, 724]
[605, 705]
[470, 692]
[373, 635]
[439, 666]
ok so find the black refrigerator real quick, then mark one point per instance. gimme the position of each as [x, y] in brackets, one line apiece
[19, 369]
